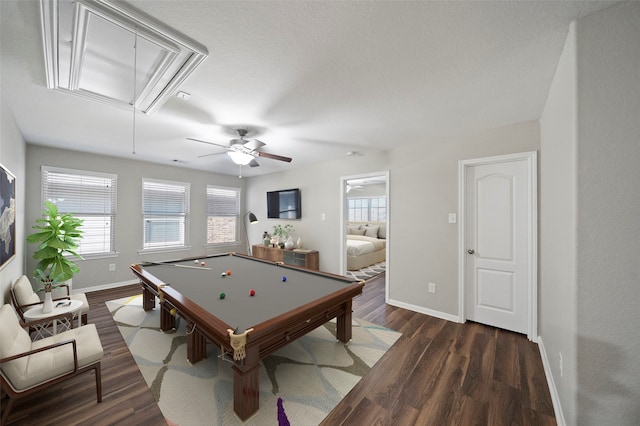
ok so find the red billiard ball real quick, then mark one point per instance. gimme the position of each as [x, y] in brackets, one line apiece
[252, 293]
[228, 271]
[202, 263]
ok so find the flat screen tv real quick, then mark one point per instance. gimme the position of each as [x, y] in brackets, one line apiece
[284, 204]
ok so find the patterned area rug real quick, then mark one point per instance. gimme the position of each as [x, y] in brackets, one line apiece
[310, 375]
[369, 271]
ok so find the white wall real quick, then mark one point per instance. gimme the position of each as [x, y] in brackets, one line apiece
[608, 271]
[557, 270]
[590, 292]
[12, 157]
[423, 190]
[95, 272]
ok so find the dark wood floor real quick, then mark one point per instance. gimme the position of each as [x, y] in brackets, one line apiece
[437, 373]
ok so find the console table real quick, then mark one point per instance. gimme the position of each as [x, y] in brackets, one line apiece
[299, 257]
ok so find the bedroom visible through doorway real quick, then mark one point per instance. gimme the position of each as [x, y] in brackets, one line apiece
[364, 224]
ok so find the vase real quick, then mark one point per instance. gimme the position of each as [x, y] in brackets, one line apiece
[299, 243]
[289, 244]
[47, 306]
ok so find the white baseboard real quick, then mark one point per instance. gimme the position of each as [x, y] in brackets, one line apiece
[423, 310]
[557, 407]
[104, 286]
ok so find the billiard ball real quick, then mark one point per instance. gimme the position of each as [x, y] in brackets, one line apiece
[284, 279]
[196, 261]
[202, 263]
[228, 271]
[222, 295]
[252, 292]
[223, 275]
[172, 311]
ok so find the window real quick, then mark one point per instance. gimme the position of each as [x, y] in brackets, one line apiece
[165, 214]
[365, 209]
[90, 196]
[223, 214]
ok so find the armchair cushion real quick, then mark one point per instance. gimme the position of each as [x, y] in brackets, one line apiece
[24, 292]
[32, 370]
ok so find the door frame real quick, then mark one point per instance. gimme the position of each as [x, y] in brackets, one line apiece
[343, 223]
[531, 159]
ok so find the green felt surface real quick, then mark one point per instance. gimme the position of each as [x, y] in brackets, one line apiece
[273, 297]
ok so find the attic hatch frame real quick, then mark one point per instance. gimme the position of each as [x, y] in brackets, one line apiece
[71, 43]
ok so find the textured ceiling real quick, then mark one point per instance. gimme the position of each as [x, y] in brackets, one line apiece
[314, 79]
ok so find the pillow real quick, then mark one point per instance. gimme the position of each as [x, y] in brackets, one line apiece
[382, 232]
[371, 231]
[356, 232]
[352, 228]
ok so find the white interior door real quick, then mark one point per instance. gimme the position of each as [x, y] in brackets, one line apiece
[499, 243]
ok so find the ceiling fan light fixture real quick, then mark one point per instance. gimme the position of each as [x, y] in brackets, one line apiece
[240, 158]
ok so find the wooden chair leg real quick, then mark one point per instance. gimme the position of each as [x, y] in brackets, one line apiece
[7, 410]
[98, 382]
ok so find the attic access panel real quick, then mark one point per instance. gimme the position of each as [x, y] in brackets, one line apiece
[92, 48]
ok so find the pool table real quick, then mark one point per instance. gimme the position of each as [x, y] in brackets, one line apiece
[214, 295]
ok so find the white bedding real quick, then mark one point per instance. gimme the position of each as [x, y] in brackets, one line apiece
[359, 244]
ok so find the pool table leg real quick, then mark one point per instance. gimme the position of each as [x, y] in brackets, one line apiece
[196, 344]
[343, 323]
[148, 299]
[246, 385]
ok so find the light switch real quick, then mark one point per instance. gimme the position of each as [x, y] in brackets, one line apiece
[452, 218]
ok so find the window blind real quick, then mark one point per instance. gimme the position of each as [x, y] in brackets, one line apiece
[165, 210]
[90, 196]
[223, 212]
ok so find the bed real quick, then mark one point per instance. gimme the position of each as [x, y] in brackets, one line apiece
[366, 244]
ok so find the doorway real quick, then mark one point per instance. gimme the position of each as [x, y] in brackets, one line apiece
[365, 198]
[498, 242]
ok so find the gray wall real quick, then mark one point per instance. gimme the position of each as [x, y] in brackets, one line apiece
[558, 186]
[95, 272]
[608, 237]
[590, 292]
[423, 190]
[12, 157]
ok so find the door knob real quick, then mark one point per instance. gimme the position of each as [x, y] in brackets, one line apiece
[471, 251]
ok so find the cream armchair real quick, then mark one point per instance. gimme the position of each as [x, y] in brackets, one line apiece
[27, 367]
[23, 297]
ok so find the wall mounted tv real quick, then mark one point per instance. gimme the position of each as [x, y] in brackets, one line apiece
[284, 204]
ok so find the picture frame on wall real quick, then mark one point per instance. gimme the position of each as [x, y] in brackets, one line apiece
[7, 216]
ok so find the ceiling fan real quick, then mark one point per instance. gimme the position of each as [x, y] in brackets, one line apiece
[242, 151]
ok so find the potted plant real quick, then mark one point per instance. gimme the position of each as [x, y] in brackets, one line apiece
[283, 232]
[57, 236]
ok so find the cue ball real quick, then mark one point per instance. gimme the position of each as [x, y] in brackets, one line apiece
[196, 261]
[284, 279]
[223, 275]
[228, 271]
[252, 293]
[222, 295]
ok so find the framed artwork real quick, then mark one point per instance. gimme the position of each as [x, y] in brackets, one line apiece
[7, 216]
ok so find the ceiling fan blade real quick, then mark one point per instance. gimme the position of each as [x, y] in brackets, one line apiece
[273, 156]
[254, 144]
[208, 143]
[254, 163]
[208, 155]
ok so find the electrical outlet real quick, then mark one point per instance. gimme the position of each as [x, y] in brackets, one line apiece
[112, 267]
[432, 287]
[561, 366]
